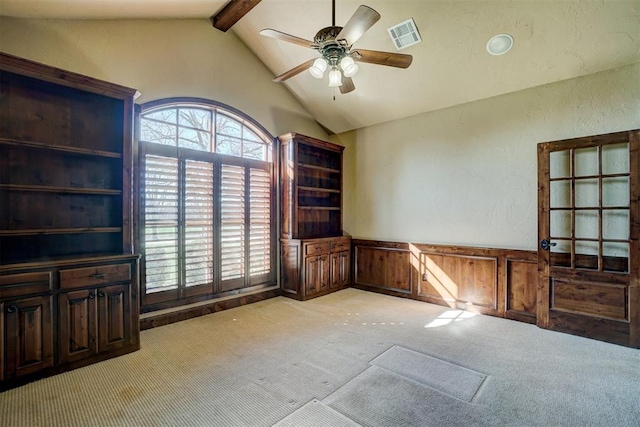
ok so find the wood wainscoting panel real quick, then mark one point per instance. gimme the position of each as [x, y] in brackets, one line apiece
[521, 279]
[384, 267]
[459, 281]
[498, 282]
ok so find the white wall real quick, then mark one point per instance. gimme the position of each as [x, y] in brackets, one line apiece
[162, 58]
[467, 175]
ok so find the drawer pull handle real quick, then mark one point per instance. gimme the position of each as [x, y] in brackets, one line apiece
[101, 294]
[12, 309]
[318, 248]
[92, 295]
[98, 276]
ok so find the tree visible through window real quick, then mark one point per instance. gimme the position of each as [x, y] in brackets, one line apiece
[206, 201]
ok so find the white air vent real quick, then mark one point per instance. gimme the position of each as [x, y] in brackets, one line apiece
[404, 34]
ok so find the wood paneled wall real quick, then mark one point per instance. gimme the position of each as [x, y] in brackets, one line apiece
[499, 282]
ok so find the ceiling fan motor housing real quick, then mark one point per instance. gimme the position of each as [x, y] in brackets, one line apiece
[328, 46]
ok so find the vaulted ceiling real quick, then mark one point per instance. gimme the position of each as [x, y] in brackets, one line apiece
[553, 40]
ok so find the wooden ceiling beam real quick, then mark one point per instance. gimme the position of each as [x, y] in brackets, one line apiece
[231, 13]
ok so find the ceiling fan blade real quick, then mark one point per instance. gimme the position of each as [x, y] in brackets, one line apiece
[390, 59]
[294, 71]
[347, 85]
[268, 32]
[360, 22]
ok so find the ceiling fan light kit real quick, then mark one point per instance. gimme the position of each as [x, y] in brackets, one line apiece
[334, 45]
[318, 68]
[349, 67]
[335, 78]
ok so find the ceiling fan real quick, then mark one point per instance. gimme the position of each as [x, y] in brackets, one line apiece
[335, 46]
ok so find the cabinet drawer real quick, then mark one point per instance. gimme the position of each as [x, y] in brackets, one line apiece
[340, 246]
[316, 248]
[97, 275]
[15, 285]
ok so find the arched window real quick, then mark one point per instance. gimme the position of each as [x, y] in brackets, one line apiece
[206, 201]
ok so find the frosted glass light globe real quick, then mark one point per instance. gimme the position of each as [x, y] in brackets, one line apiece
[318, 68]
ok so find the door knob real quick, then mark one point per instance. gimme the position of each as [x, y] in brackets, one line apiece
[546, 244]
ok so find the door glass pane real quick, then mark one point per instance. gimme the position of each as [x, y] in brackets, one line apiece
[587, 193]
[615, 224]
[616, 256]
[615, 191]
[615, 158]
[560, 225]
[561, 253]
[587, 255]
[586, 161]
[587, 224]
[560, 164]
[560, 194]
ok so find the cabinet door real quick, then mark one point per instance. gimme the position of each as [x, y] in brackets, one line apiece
[28, 336]
[340, 269]
[311, 274]
[325, 272]
[77, 317]
[316, 276]
[115, 317]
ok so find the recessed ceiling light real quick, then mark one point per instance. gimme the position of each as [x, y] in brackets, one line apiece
[500, 44]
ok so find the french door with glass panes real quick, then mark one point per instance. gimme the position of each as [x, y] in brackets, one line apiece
[589, 254]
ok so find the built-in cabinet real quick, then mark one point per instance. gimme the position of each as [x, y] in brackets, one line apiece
[68, 277]
[28, 336]
[315, 256]
[314, 267]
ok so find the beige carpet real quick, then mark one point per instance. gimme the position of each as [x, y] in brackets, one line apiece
[332, 360]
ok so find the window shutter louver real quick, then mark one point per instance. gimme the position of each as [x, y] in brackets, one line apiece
[161, 223]
[198, 240]
[232, 233]
[260, 223]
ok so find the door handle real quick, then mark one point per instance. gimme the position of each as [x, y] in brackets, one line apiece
[546, 244]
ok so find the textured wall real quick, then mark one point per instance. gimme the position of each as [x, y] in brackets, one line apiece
[162, 58]
[468, 174]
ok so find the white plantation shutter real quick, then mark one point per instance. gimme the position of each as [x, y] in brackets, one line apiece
[206, 203]
[161, 223]
[232, 232]
[259, 222]
[198, 234]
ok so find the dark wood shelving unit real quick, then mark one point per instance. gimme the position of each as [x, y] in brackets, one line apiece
[68, 275]
[315, 254]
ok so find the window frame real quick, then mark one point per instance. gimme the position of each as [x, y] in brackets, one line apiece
[189, 294]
